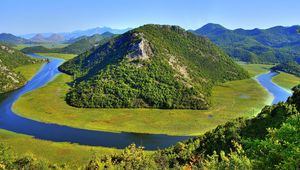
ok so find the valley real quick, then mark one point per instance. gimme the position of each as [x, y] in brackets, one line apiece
[146, 85]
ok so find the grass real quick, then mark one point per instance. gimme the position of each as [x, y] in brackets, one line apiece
[256, 69]
[230, 100]
[58, 55]
[47, 45]
[28, 71]
[55, 152]
[287, 81]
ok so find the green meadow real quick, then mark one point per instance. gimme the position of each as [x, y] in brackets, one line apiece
[47, 45]
[55, 152]
[229, 100]
[287, 81]
[58, 55]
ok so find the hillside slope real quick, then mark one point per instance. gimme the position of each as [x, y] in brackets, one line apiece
[273, 45]
[77, 46]
[151, 66]
[10, 59]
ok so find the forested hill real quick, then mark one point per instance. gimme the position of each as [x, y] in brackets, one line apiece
[151, 66]
[273, 45]
[77, 46]
[10, 59]
[289, 67]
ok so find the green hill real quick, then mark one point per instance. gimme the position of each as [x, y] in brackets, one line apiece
[273, 45]
[289, 67]
[151, 66]
[78, 45]
[10, 59]
[85, 43]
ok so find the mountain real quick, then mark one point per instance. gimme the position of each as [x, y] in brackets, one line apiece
[90, 32]
[55, 38]
[12, 39]
[51, 38]
[273, 45]
[79, 33]
[10, 59]
[107, 34]
[78, 45]
[85, 43]
[38, 38]
[155, 66]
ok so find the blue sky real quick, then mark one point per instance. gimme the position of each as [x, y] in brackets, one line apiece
[31, 16]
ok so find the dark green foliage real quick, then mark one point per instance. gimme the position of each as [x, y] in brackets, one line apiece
[86, 43]
[273, 45]
[10, 59]
[37, 49]
[151, 66]
[288, 67]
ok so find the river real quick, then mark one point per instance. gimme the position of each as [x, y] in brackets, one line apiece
[53, 132]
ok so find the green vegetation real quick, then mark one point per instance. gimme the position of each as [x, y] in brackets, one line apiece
[55, 152]
[58, 55]
[46, 45]
[288, 81]
[77, 46]
[230, 100]
[273, 45]
[256, 69]
[267, 141]
[10, 59]
[28, 71]
[290, 67]
[152, 66]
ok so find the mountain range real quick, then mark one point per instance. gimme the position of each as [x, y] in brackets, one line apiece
[77, 45]
[156, 66]
[79, 33]
[272, 45]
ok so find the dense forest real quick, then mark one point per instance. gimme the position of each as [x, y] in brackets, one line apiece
[268, 141]
[289, 67]
[151, 66]
[273, 45]
[77, 46]
[10, 59]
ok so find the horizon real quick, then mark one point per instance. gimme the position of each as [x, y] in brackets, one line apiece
[61, 16]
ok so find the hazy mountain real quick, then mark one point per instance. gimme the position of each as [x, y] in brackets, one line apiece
[77, 46]
[56, 38]
[151, 66]
[276, 44]
[12, 39]
[38, 38]
[79, 33]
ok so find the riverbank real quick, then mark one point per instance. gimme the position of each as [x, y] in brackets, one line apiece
[229, 100]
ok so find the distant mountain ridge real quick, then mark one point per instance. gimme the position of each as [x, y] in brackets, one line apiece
[79, 33]
[12, 39]
[272, 45]
[77, 45]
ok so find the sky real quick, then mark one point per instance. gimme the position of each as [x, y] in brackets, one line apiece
[36, 16]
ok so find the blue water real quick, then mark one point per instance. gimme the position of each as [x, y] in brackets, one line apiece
[53, 132]
[279, 94]
[12, 122]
